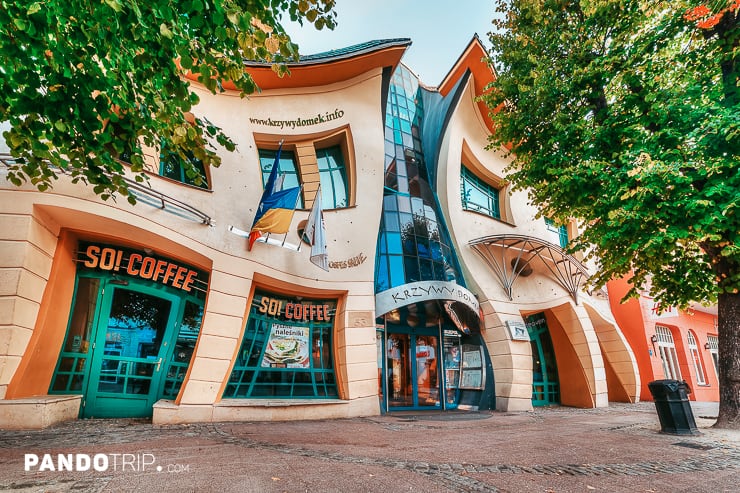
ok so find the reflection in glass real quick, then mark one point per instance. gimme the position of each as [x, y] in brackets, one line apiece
[72, 362]
[133, 340]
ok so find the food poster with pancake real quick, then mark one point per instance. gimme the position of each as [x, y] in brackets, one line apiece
[287, 347]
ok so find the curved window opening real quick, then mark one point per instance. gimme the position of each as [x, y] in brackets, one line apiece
[171, 165]
[333, 177]
[288, 176]
[701, 377]
[667, 351]
[479, 196]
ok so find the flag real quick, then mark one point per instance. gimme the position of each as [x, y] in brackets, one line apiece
[276, 208]
[278, 185]
[315, 232]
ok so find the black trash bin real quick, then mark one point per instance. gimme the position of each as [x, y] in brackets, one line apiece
[674, 410]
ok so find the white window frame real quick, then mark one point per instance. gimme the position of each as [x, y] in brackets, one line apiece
[667, 352]
[713, 342]
[701, 377]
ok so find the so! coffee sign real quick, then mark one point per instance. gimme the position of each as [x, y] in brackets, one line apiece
[139, 264]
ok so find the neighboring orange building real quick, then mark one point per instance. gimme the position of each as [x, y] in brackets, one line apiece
[675, 344]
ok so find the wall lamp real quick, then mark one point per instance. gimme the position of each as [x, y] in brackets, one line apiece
[654, 338]
[706, 345]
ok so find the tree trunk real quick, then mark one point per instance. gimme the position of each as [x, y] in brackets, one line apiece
[729, 361]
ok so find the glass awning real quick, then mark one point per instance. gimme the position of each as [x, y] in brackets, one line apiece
[512, 256]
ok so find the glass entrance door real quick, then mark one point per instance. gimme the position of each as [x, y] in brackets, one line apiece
[545, 381]
[412, 371]
[133, 343]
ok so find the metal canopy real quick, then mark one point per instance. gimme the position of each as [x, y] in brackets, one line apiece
[511, 256]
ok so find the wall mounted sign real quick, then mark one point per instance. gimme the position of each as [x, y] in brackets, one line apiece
[294, 310]
[138, 264]
[414, 292]
[517, 330]
[472, 367]
[349, 263]
[299, 122]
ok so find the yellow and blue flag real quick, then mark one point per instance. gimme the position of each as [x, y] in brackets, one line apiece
[276, 208]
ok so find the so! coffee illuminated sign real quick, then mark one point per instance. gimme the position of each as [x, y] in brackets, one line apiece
[294, 310]
[140, 265]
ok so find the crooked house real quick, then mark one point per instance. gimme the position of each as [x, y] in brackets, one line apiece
[443, 289]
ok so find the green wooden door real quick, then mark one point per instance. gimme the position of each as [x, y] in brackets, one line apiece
[133, 342]
[545, 381]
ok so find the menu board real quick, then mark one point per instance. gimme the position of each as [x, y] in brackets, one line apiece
[471, 359]
[471, 379]
[471, 375]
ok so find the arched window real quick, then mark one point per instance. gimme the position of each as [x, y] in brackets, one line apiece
[667, 350]
[701, 377]
[713, 342]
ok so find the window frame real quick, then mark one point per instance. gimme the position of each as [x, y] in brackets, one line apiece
[165, 155]
[305, 148]
[488, 176]
[283, 157]
[701, 376]
[254, 381]
[561, 231]
[493, 194]
[330, 173]
[713, 341]
[667, 352]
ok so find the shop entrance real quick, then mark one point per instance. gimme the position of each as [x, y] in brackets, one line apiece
[413, 376]
[545, 381]
[128, 345]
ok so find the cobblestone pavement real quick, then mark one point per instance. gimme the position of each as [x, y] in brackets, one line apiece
[548, 450]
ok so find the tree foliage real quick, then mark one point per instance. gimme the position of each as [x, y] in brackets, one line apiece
[625, 115]
[86, 83]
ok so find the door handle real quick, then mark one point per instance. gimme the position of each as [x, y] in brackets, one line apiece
[159, 362]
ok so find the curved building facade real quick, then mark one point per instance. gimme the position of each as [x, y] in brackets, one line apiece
[442, 290]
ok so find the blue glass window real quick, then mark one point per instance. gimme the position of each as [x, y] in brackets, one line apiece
[333, 177]
[170, 166]
[562, 231]
[478, 195]
[284, 358]
[287, 168]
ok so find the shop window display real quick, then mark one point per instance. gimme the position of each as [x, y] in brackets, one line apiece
[286, 351]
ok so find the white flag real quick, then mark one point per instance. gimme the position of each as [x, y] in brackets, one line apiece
[316, 234]
[279, 183]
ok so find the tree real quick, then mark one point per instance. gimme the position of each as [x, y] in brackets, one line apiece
[625, 114]
[85, 84]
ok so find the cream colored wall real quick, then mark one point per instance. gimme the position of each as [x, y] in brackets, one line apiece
[27, 245]
[512, 360]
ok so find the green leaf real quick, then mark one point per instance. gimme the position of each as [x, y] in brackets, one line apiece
[165, 31]
[114, 4]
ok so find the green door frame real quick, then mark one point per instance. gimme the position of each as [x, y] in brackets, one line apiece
[79, 371]
[131, 372]
[545, 382]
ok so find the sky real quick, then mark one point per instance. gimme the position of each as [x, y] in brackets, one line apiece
[439, 30]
